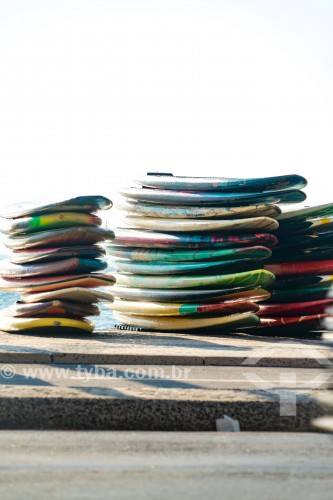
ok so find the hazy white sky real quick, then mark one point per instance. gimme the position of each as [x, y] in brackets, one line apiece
[94, 91]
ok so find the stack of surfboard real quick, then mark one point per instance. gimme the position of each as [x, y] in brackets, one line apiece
[189, 252]
[56, 262]
[303, 265]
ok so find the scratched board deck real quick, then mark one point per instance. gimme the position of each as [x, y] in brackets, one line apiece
[26, 225]
[48, 283]
[86, 204]
[152, 255]
[133, 207]
[295, 308]
[247, 293]
[128, 266]
[168, 197]
[254, 278]
[153, 239]
[178, 225]
[313, 320]
[176, 324]
[255, 184]
[80, 235]
[185, 309]
[72, 266]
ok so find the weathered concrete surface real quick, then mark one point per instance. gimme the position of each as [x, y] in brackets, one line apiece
[117, 346]
[158, 398]
[147, 466]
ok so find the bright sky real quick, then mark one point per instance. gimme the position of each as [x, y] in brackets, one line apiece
[94, 91]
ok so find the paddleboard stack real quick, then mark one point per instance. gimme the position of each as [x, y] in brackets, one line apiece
[303, 265]
[189, 252]
[56, 262]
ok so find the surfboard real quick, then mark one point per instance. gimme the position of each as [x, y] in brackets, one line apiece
[27, 225]
[168, 197]
[52, 308]
[153, 268]
[295, 308]
[78, 204]
[303, 213]
[311, 253]
[306, 226]
[300, 294]
[173, 324]
[247, 293]
[144, 238]
[56, 253]
[164, 255]
[72, 266]
[45, 325]
[314, 319]
[74, 294]
[295, 268]
[79, 235]
[257, 184]
[299, 281]
[48, 283]
[185, 309]
[181, 225]
[133, 207]
[255, 278]
[304, 241]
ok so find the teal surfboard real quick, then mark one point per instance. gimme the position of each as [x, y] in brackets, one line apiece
[168, 197]
[151, 268]
[300, 294]
[164, 255]
[254, 184]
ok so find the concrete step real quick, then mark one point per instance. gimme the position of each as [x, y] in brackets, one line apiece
[150, 465]
[151, 397]
[115, 346]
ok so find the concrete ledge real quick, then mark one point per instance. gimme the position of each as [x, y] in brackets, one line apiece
[116, 346]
